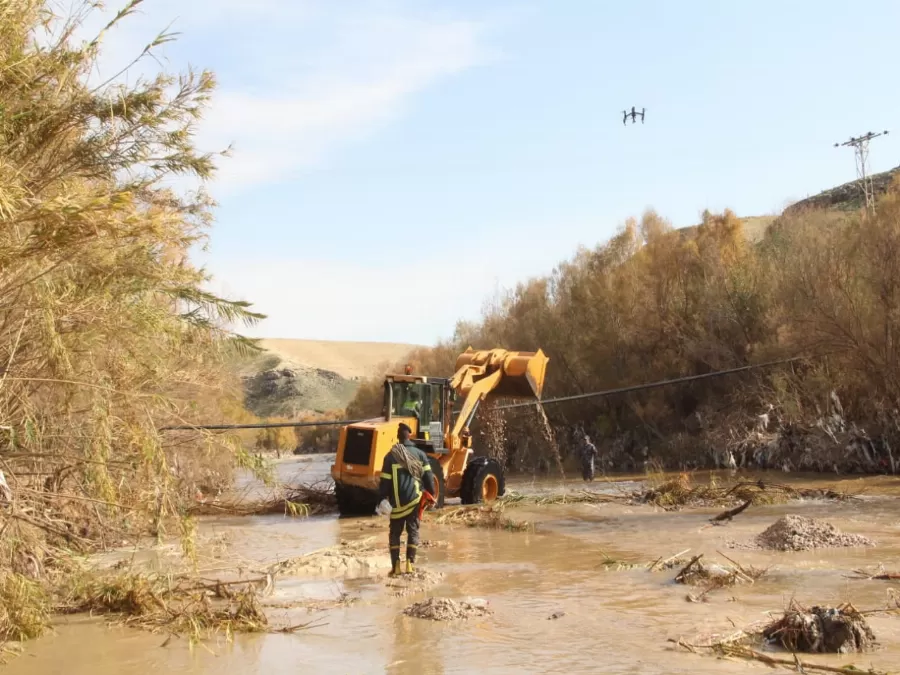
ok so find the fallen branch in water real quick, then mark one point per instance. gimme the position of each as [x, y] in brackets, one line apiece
[687, 568]
[294, 501]
[678, 492]
[662, 563]
[816, 630]
[488, 516]
[579, 497]
[712, 576]
[731, 513]
[177, 604]
[880, 576]
[793, 663]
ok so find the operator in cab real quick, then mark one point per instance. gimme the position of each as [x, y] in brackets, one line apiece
[413, 405]
[405, 473]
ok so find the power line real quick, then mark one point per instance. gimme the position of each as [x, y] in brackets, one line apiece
[262, 425]
[652, 385]
[860, 146]
[561, 399]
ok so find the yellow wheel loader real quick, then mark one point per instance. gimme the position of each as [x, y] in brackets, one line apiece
[426, 405]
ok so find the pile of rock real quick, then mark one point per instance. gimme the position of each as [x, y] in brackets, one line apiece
[798, 533]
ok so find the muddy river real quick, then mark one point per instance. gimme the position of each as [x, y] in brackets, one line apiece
[606, 621]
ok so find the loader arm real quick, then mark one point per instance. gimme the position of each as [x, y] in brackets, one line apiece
[477, 392]
[479, 374]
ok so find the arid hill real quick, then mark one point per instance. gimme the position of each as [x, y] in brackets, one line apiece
[300, 376]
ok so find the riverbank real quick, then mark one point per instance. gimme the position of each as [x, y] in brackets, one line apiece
[557, 568]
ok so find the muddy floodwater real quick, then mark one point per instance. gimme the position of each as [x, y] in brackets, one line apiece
[605, 621]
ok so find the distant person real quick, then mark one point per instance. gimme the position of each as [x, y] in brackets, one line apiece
[405, 472]
[588, 453]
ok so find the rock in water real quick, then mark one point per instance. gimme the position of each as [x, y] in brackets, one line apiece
[798, 533]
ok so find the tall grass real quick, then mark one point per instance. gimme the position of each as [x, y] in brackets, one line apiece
[106, 330]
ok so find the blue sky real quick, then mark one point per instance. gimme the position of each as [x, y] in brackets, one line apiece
[396, 162]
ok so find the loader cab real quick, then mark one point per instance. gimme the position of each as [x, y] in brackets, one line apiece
[428, 400]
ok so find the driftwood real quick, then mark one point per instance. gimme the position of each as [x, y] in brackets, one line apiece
[687, 568]
[731, 513]
[883, 576]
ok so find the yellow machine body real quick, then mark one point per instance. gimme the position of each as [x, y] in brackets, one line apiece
[494, 373]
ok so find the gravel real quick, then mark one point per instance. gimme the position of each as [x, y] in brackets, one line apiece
[798, 533]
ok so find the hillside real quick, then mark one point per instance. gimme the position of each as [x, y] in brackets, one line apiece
[844, 197]
[292, 377]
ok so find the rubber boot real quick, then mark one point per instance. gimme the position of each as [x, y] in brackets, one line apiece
[410, 558]
[395, 562]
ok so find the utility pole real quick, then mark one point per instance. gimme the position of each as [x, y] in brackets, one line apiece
[860, 146]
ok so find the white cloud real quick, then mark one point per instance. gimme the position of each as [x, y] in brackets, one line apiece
[312, 75]
[345, 301]
[416, 302]
[298, 81]
[370, 77]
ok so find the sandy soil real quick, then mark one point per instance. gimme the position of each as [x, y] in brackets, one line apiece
[347, 359]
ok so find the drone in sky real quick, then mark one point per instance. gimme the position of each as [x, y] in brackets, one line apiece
[633, 115]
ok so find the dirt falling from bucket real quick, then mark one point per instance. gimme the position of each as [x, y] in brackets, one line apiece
[493, 433]
[550, 437]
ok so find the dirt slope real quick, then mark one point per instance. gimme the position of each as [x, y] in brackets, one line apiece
[347, 359]
[293, 377]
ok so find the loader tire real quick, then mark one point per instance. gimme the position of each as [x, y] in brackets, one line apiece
[355, 501]
[482, 481]
[438, 473]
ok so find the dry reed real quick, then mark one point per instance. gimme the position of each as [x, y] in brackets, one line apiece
[106, 329]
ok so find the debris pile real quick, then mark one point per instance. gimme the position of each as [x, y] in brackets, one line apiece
[446, 609]
[290, 500]
[179, 605]
[697, 572]
[818, 630]
[822, 630]
[677, 492]
[487, 516]
[712, 576]
[798, 533]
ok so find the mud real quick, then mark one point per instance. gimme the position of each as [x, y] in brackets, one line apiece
[416, 582]
[446, 609]
[349, 558]
[798, 533]
[616, 620]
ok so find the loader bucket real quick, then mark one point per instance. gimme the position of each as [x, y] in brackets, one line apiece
[523, 372]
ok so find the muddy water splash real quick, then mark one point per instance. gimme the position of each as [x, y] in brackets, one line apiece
[605, 619]
[550, 437]
[493, 424]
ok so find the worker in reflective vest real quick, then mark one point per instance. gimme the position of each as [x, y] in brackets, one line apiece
[405, 472]
[413, 405]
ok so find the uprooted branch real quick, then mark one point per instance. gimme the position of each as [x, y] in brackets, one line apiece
[301, 500]
[841, 629]
[179, 604]
[731, 513]
[487, 516]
